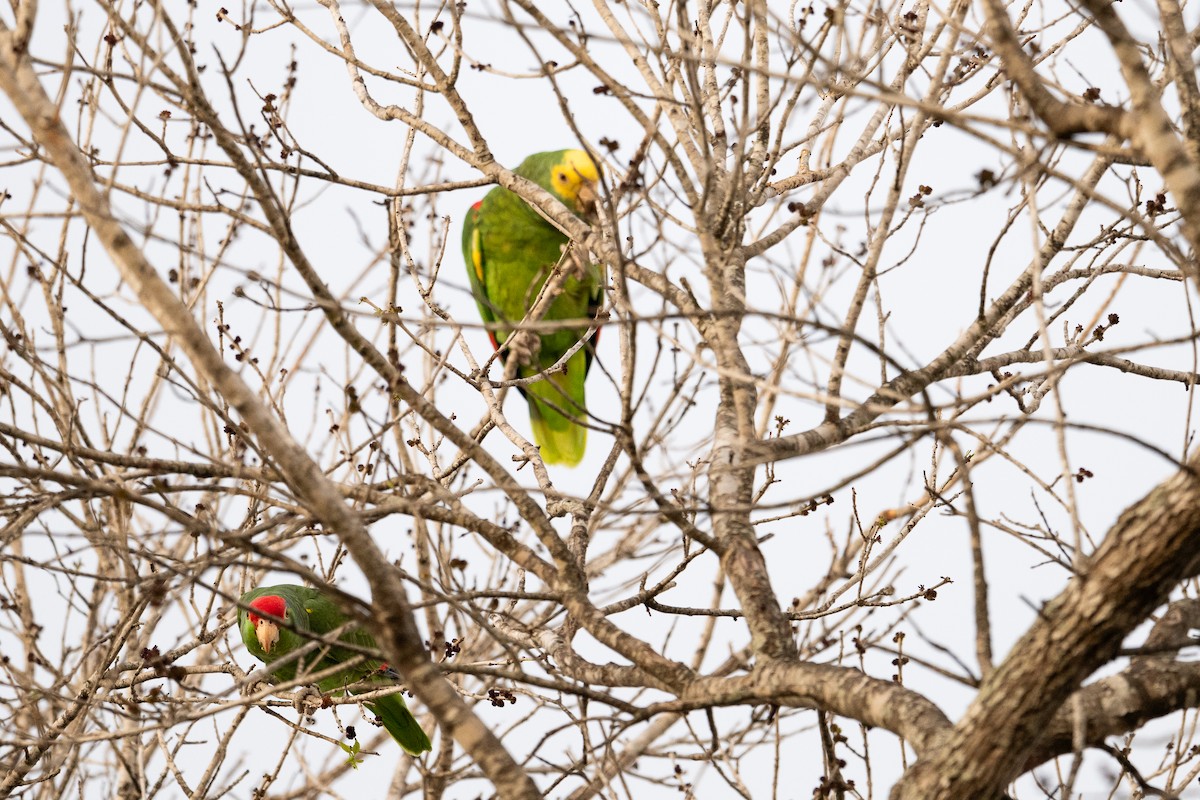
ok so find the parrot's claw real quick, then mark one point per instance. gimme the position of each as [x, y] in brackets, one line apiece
[524, 346]
[307, 700]
[253, 683]
[578, 263]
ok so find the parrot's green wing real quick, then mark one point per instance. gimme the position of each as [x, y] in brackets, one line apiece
[472, 245]
[326, 617]
[510, 250]
[312, 614]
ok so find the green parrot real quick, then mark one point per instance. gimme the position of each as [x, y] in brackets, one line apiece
[510, 251]
[309, 611]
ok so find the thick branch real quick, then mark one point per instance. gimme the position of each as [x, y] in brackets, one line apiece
[1153, 546]
[843, 691]
[1063, 119]
[1151, 687]
[1153, 131]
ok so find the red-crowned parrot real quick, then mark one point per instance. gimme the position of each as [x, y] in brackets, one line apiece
[510, 251]
[307, 611]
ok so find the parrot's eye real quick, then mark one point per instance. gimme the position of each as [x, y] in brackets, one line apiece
[560, 176]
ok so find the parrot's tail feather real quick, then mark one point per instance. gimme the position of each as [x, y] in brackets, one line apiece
[401, 724]
[561, 439]
[563, 444]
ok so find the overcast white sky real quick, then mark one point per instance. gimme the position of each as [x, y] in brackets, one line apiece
[928, 300]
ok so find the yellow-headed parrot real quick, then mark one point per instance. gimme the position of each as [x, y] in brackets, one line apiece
[510, 251]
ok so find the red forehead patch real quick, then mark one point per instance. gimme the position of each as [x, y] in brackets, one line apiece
[271, 604]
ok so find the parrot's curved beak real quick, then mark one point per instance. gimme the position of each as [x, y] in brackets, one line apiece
[267, 633]
[586, 199]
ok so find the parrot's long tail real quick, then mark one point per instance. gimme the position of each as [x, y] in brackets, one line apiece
[401, 724]
[562, 440]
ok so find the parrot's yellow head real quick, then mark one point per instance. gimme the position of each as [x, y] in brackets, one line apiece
[574, 179]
